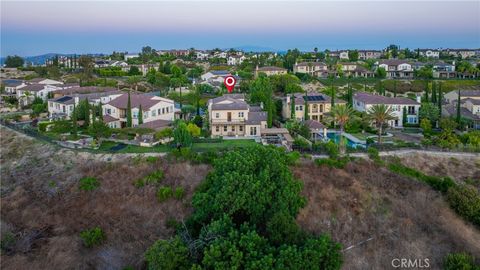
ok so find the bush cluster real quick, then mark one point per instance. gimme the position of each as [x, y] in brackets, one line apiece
[89, 183]
[463, 261]
[438, 183]
[338, 163]
[230, 230]
[164, 193]
[92, 237]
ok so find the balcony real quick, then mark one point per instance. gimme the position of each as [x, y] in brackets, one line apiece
[228, 121]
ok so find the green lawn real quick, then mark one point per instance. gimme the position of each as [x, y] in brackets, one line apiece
[222, 145]
[362, 136]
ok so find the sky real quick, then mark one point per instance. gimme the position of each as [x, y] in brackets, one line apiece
[36, 27]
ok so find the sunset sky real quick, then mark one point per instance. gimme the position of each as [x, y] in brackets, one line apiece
[32, 28]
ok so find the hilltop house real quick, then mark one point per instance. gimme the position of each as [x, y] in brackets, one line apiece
[399, 69]
[318, 104]
[430, 53]
[364, 101]
[355, 70]
[62, 104]
[157, 112]
[234, 60]
[469, 106]
[11, 86]
[444, 70]
[311, 68]
[213, 73]
[44, 81]
[270, 70]
[369, 54]
[231, 115]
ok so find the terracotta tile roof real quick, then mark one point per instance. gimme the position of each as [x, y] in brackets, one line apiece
[33, 87]
[156, 124]
[108, 118]
[271, 68]
[313, 124]
[84, 90]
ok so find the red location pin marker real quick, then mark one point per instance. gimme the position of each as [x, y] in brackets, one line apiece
[229, 83]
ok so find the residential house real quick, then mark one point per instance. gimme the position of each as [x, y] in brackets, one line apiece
[363, 102]
[61, 105]
[473, 119]
[220, 54]
[338, 54]
[318, 105]
[157, 111]
[270, 70]
[213, 73]
[231, 115]
[430, 53]
[202, 55]
[452, 96]
[130, 56]
[444, 70]
[179, 53]
[463, 53]
[26, 94]
[311, 68]
[369, 54]
[398, 69]
[234, 60]
[355, 70]
[11, 86]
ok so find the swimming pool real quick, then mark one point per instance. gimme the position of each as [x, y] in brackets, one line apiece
[335, 137]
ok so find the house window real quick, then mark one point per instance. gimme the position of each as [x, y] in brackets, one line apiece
[253, 131]
[145, 115]
[240, 114]
[217, 128]
[154, 113]
[225, 128]
[240, 128]
[233, 128]
[217, 115]
[108, 111]
[135, 115]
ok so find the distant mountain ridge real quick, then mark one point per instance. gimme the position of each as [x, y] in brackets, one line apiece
[41, 59]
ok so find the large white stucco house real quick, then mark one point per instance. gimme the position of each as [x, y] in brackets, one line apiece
[157, 111]
[363, 102]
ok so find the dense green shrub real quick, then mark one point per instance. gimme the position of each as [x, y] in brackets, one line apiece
[62, 126]
[332, 149]
[179, 193]
[244, 218]
[151, 159]
[465, 200]
[164, 193]
[92, 237]
[338, 163]
[42, 126]
[460, 261]
[89, 183]
[139, 183]
[374, 155]
[293, 157]
[170, 254]
[154, 178]
[438, 183]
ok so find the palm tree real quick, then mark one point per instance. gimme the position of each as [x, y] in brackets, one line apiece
[380, 114]
[341, 115]
[134, 80]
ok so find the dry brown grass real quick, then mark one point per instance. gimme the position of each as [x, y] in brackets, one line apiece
[47, 219]
[407, 219]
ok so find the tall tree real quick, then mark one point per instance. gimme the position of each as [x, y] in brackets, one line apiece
[14, 61]
[129, 111]
[459, 115]
[440, 99]
[434, 92]
[86, 62]
[306, 117]
[380, 114]
[74, 121]
[140, 115]
[395, 88]
[426, 91]
[87, 113]
[341, 115]
[292, 107]
[134, 80]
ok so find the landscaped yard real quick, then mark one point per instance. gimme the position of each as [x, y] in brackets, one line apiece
[222, 145]
[362, 136]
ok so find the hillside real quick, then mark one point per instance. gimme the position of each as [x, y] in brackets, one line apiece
[43, 207]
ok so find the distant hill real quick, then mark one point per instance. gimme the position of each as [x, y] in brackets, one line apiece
[40, 59]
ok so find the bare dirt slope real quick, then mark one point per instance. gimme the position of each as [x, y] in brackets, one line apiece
[43, 206]
[406, 219]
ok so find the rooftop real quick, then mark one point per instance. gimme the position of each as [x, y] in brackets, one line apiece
[368, 98]
[136, 100]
